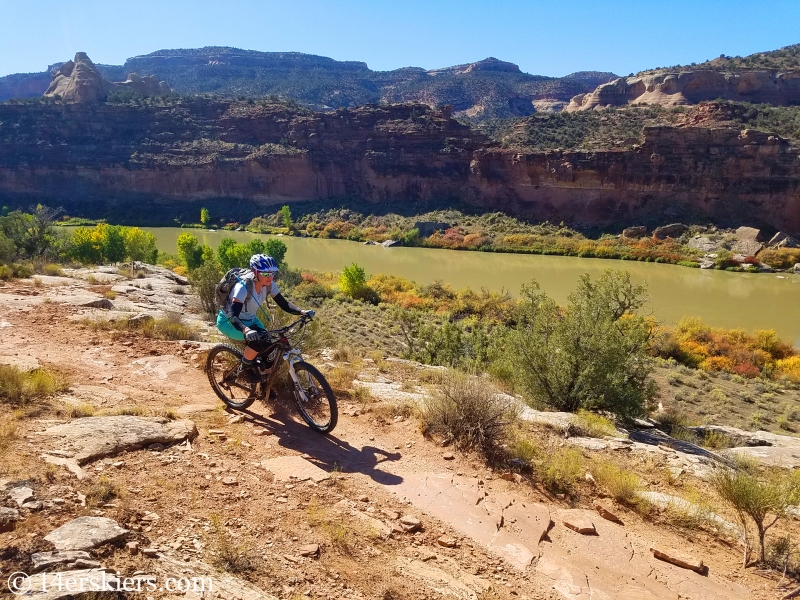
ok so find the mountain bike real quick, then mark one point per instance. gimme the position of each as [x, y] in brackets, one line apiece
[312, 393]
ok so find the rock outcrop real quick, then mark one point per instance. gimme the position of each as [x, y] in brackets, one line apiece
[691, 87]
[79, 80]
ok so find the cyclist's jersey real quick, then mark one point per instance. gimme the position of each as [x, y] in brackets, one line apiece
[250, 308]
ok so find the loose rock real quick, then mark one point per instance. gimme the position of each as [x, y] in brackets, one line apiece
[85, 533]
[577, 520]
[679, 559]
[410, 523]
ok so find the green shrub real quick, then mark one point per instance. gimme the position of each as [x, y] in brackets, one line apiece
[591, 354]
[204, 279]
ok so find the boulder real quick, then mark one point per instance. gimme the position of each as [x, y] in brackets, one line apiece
[749, 233]
[705, 244]
[391, 243]
[634, 232]
[796, 268]
[782, 240]
[673, 230]
[85, 533]
[91, 438]
[747, 247]
[8, 516]
[20, 493]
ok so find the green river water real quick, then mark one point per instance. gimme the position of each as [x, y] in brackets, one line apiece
[721, 299]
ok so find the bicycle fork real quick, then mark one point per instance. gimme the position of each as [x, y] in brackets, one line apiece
[293, 357]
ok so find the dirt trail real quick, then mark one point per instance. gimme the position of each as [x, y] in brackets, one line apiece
[379, 471]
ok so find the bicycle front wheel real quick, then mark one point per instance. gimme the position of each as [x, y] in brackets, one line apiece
[314, 398]
[222, 367]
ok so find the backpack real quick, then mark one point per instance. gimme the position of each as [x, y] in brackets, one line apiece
[229, 281]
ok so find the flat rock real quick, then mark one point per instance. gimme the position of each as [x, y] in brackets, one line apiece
[91, 438]
[447, 541]
[577, 520]
[309, 550]
[47, 560]
[604, 510]
[20, 494]
[158, 367]
[225, 585]
[454, 584]
[285, 468]
[512, 530]
[787, 458]
[85, 533]
[410, 523]
[675, 503]
[559, 421]
[24, 363]
[679, 559]
[87, 300]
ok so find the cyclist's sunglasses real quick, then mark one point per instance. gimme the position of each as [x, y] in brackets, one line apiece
[266, 273]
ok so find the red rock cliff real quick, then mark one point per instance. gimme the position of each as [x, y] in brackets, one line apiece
[147, 161]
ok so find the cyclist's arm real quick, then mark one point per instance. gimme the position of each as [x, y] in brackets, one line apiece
[287, 306]
[236, 310]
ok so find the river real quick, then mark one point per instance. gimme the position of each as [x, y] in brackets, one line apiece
[721, 299]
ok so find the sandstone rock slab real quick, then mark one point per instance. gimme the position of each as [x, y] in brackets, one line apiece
[634, 232]
[285, 468]
[577, 520]
[57, 558]
[158, 367]
[20, 494]
[679, 559]
[225, 585]
[91, 438]
[85, 533]
[24, 363]
[458, 584]
[606, 511]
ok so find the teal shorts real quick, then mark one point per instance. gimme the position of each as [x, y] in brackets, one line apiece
[224, 325]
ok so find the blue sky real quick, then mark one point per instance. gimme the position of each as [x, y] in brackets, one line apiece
[546, 38]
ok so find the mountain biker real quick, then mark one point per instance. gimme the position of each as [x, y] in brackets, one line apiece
[238, 319]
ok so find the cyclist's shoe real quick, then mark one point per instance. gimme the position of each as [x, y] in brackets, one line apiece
[248, 374]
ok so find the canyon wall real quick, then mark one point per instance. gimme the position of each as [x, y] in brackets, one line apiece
[153, 163]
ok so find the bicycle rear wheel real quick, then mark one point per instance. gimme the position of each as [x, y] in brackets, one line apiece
[222, 368]
[315, 399]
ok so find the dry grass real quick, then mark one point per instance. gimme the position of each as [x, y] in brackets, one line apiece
[171, 327]
[341, 378]
[620, 484]
[593, 425]
[229, 554]
[395, 408]
[8, 433]
[561, 469]
[76, 411]
[18, 387]
[102, 491]
[467, 410]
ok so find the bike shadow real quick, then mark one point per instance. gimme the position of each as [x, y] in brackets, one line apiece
[325, 451]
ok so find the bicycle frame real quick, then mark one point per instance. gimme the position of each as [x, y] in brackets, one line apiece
[286, 354]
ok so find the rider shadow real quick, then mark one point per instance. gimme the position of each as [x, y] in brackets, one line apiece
[325, 451]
